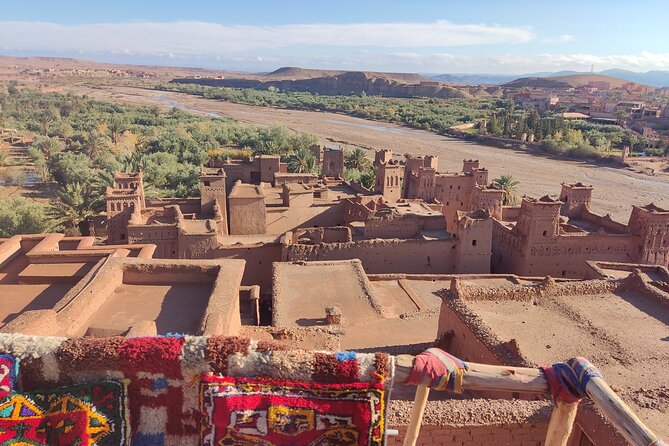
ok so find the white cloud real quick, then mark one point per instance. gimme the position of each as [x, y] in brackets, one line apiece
[562, 38]
[188, 38]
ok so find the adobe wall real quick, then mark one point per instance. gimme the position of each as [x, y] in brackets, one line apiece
[454, 192]
[562, 256]
[165, 237]
[282, 220]
[258, 257]
[390, 228]
[383, 255]
[294, 178]
[474, 422]
[604, 221]
[402, 226]
[247, 216]
[333, 163]
[186, 205]
[196, 246]
[474, 245]
[334, 234]
[459, 339]
[499, 435]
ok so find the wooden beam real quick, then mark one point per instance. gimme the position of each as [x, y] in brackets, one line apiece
[488, 377]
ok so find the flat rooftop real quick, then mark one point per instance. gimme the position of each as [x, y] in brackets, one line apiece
[159, 296]
[175, 308]
[624, 334]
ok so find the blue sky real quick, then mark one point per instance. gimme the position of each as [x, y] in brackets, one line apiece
[476, 36]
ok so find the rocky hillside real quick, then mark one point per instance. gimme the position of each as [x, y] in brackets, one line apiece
[401, 85]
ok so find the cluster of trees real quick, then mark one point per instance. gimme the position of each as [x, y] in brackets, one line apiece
[79, 143]
[576, 139]
[428, 114]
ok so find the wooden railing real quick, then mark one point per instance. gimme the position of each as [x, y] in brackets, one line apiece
[532, 380]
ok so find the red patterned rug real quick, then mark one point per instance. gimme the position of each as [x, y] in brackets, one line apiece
[273, 412]
[92, 414]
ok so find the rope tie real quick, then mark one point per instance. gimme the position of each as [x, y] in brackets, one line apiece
[438, 370]
[567, 380]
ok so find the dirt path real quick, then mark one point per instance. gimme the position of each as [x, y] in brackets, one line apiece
[616, 189]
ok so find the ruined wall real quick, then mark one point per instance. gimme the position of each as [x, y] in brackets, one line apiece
[333, 163]
[383, 256]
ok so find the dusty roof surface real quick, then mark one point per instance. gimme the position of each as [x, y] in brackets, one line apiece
[242, 190]
[624, 334]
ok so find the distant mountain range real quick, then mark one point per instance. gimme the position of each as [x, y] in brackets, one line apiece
[652, 78]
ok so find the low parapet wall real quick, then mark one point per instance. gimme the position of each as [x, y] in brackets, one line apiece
[474, 422]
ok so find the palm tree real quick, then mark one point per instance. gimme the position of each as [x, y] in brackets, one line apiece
[510, 187]
[357, 159]
[116, 128]
[77, 203]
[367, 178]
[48, 117]
[49, 146]
[95, 145]
[302, 161]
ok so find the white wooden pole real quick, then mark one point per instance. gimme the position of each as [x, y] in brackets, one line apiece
[419, 402]
[561, 423]
[620, 415]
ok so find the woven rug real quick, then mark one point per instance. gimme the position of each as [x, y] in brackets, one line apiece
[8, 371]
[83, 415]
[273, 412]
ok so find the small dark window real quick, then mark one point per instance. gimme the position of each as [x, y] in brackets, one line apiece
[545, 232]
[122, 236]
[206, 183]
[473, 242]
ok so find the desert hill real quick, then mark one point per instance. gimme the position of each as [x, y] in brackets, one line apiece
[566, 81]
[296, 73]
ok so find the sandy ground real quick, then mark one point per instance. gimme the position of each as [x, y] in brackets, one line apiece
[616, 189]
